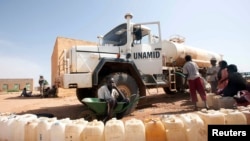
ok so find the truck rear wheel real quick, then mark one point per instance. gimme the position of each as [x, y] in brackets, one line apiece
[179, 79]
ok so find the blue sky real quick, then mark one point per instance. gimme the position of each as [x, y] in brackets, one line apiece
[28, 28]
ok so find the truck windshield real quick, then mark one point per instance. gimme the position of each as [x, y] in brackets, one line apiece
[117, 36]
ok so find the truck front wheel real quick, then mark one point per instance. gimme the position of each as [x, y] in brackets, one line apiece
[126, 84]
[84, 92]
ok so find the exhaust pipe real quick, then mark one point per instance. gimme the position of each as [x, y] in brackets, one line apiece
[128, 17]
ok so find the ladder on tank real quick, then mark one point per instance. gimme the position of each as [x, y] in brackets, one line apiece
[172, 79]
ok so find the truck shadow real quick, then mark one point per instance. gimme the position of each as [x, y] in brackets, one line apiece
[61, 112]
[150, 100]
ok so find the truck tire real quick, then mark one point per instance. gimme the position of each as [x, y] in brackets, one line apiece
[83, 93]
[125, 83]
[168, 91]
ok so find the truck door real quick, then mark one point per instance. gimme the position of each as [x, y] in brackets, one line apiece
[147, 51]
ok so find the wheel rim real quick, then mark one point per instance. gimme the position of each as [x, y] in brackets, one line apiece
[125, 90]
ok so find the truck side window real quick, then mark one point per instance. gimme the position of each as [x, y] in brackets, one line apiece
[137, 34]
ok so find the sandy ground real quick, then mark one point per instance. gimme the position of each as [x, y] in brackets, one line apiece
[155, 104]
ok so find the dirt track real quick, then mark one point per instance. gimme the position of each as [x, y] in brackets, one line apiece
[153, 105]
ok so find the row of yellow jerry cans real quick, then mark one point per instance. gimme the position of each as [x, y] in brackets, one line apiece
[176, 127]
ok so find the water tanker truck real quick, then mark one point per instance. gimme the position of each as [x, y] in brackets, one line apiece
[135, 55]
